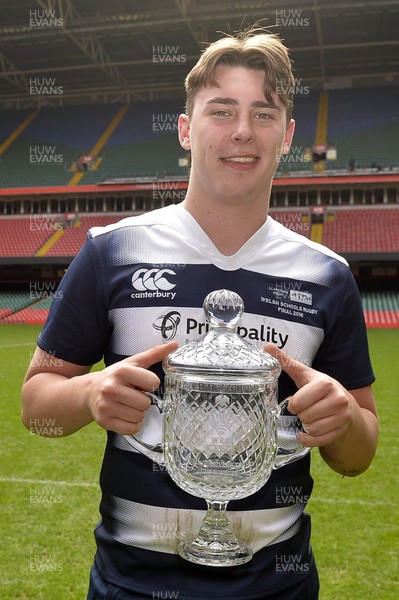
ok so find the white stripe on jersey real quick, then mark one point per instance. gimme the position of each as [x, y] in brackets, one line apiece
[161, 529]
[184, 324]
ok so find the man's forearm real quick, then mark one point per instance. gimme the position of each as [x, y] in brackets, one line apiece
[352, 453]
[54, 405]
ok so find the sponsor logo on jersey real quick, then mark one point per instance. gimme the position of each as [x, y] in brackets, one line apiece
[153, 283]
[168, 325]
[289, 299]
[303, 297]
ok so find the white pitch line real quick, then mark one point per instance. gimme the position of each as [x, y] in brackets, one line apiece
[316, 499]
[48, 482]
[319, 500]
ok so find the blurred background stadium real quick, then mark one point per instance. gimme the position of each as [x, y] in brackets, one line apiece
[90, 92]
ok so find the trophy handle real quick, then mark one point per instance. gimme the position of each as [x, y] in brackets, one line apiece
[289, 449]
[152, 451]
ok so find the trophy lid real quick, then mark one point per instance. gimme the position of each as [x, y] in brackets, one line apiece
[221, 349]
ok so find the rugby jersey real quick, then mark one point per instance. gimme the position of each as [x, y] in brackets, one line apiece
[141, 282]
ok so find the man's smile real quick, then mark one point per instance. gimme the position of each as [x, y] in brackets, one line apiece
[241, 161]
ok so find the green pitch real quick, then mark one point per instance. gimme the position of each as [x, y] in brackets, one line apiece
[49, 496]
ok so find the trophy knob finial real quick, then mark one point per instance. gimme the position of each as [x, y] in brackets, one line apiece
[223, 308]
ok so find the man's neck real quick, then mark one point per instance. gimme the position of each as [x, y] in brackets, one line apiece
[229, 227]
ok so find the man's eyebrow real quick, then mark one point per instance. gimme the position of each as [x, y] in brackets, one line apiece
[222, 100]
[233, 102]
[264, 104]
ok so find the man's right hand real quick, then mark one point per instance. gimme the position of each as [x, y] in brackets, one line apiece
[69, 396]
[117, 398]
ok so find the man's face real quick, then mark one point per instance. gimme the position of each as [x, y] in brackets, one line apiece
[236, 137]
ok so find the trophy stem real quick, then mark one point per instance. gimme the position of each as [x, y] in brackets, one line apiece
[215, 545]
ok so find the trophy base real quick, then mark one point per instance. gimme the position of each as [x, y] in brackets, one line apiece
[215, 553]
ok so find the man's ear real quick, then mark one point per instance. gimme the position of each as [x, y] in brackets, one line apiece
[184, 131]
[289, 134]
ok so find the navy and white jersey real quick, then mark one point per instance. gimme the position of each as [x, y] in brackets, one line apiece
[142, 282]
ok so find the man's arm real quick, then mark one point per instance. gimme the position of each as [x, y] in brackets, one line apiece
[352, 452]
[72, 397]
[342, 424]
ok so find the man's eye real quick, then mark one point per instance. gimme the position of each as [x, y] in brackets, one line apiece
[221, 113]
[263, 116]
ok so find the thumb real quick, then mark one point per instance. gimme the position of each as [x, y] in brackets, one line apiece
[300, 373]
[152, 355]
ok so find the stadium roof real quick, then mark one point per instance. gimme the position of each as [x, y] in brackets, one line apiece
[55, 52]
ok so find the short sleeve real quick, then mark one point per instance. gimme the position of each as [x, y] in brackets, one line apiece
[344, 352]
[77, 328]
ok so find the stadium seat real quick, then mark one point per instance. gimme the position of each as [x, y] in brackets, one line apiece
[363, 230]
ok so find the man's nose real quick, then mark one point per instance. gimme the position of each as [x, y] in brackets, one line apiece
[243, 130]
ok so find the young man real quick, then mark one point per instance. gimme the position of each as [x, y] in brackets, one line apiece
[142, 281]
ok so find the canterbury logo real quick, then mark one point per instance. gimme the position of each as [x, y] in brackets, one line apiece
[152, 280]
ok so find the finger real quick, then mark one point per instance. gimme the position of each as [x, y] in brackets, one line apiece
[130, 377]
[317, 441]
[152, 355]
[129, 402]
[123, 427]
[134, 370]
[308, 402]
[119, 400]
[300, 373]
[129, 412]
[315, 406]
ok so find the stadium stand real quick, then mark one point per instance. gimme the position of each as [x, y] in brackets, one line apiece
[139, 141]
[46, 149]
[145, 145]
[345, 230]
[381, 309]
[305, 114]
[19, 308]
[27, 235]
[143, 140]
[363, 124]
[23, 236]
[13, 302]
[74, 237]
[363, 230]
